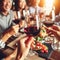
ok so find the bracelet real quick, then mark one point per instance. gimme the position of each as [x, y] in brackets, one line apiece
[2, 44]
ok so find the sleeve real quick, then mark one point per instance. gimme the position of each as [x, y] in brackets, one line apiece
[11, 19]
[30, 10]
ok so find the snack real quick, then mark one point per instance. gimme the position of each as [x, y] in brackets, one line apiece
[39, 46]
[43, 32]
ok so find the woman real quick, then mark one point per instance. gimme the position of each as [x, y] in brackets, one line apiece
[6, 17]
[21, 9]
[6, 27]
[34, 8]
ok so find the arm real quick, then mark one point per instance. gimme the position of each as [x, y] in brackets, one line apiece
[56, 33]
[24, 44]
[11, 31]
[22, 49]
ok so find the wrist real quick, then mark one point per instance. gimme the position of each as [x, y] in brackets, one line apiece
[20, 57]
[5, 37]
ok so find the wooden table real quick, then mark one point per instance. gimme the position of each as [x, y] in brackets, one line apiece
[55, 55]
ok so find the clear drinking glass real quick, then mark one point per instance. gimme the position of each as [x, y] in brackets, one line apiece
[55, 44]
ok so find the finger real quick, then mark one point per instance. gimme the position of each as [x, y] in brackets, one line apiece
[22, 41]
[49, 34]
[56, 27]
[29, 41]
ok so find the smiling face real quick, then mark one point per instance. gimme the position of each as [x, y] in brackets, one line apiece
[7, 4]
[22, 4]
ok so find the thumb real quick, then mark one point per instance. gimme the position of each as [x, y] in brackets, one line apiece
[29, 41]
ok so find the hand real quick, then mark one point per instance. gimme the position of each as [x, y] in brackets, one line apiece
[13, 30]
[56, 33]
[22, 24]
[55, 27]
[23, 50]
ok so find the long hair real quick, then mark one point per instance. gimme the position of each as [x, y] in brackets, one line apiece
[16, 4]
[1, 4]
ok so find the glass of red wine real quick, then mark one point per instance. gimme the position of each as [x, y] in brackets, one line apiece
[48, 23]
[31, 28]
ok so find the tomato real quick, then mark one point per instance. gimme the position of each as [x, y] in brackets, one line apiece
[42, 51]
[46, 51]
[37, 44]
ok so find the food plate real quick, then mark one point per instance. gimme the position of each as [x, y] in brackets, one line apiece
[45, 55]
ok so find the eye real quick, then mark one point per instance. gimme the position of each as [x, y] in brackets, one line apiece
[10, 1]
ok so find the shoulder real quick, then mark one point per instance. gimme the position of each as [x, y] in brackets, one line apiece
[11, 13]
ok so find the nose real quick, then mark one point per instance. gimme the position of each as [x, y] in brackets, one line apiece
[8, 3]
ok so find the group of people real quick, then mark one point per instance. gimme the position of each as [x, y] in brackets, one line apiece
[9, 28]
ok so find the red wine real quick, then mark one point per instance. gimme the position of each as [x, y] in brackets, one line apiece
[32, 30]
[48, 23]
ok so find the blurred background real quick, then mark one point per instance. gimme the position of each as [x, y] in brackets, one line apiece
[42, 3]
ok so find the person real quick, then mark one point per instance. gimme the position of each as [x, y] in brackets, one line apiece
[21, 9]
[7, 30]
[35, 8]
[21, 13]
[55, 30]
[6, 18]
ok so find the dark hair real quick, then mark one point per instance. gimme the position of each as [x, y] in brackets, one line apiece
[1, 1]
[16, 4]
[1, 4]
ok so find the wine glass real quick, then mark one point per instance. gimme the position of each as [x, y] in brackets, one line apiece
[48, 23]
[32, 30]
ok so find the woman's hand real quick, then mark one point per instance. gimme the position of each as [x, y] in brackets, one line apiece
[14, 29]
[22, 49]
[55, 27]
[24, 44]
[56, 32]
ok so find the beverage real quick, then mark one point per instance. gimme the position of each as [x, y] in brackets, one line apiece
[32, 30]
[48, 23]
